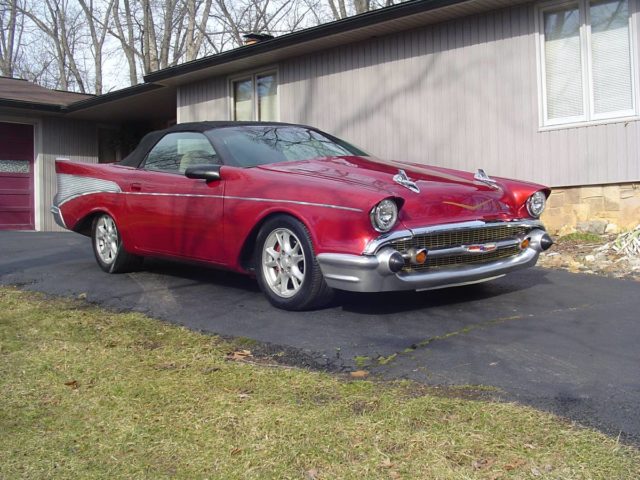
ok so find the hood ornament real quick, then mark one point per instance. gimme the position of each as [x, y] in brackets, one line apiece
[401, 178]
[481, 176]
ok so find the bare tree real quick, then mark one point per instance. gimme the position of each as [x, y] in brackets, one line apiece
[126, 37]
[11, 29]
[64, 43]
[345, 8]
[197, 16]
[98, 24]
[59, 21]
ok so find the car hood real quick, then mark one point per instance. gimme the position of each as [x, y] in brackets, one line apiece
[445, 194]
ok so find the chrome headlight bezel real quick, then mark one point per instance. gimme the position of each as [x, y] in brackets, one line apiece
[384, 215]
[536, 204]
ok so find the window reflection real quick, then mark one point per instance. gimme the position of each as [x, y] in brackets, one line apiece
[267, 90]
[251, 146]
[243, 100]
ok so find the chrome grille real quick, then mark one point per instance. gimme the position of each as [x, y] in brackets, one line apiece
[453, 260]
[458, 238]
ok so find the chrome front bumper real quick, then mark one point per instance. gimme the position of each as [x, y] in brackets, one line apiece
[371, 273]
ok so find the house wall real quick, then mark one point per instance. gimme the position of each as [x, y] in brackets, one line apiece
[461, 94]
[75, 140]
[206, 100]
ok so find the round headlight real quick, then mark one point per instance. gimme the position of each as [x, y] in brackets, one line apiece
[536, 204]
[384, 215]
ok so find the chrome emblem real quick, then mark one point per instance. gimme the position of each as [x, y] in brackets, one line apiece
[487, 247]
[481, 176]
[401, 178]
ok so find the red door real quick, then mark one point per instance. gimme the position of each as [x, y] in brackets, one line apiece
[16, 176]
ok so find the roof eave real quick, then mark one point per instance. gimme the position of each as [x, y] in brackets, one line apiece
[112, 96]
[25, 105]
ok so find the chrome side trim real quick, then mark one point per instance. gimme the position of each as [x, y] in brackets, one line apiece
[74, 186]
[296, 202]
[374, 245]
[248, 199]
[158, 194]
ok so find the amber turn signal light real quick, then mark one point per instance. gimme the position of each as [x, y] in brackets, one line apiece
[416, 257]
[524, 244]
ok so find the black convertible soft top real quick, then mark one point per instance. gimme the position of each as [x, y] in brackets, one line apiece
[135, 158]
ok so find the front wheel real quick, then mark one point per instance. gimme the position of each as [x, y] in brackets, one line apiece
[286, 266]
[108, 249]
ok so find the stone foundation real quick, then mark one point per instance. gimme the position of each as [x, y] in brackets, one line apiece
[596, 209]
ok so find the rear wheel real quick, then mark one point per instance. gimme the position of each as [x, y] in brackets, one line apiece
[108, 249]
[286, 266]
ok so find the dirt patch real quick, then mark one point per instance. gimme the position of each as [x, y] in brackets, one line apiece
[608, 255]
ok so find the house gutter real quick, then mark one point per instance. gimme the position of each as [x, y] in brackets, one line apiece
[25, 105]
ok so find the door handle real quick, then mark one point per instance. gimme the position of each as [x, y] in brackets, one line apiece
[136, 187]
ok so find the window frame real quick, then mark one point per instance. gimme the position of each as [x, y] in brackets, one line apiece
[253, 76]
[589, 117]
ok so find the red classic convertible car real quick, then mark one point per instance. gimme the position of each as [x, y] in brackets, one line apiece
[303, 211]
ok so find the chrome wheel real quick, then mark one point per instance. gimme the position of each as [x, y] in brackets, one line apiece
[106, 239]
[283, 262]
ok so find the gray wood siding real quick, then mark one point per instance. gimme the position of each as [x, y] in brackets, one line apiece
[206, 100]
[461, 94]
[75, 140]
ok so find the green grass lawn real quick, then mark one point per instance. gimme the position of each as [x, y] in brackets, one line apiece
[87, 393]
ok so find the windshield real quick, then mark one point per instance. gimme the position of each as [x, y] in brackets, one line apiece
[249, 146]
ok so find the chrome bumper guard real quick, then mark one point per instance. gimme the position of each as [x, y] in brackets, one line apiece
[371, 272]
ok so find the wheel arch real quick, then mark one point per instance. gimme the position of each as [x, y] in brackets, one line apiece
[245, 258]
[84, 226]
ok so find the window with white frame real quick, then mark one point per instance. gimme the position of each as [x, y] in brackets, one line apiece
[255, 97]
[587, 65]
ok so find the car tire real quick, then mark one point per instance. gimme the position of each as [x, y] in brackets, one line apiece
[108, 248]
[287, 270]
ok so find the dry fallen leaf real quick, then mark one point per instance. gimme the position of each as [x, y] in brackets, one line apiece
[235, 451]
[239, 355]
[311, 474]
[73, 384]
[359, 374]
[386, 463]
[513, 465]
[482, 463]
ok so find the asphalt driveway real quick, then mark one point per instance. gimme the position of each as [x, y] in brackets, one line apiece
[563, 342]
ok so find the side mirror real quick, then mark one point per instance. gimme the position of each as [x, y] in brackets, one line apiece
[204, 172]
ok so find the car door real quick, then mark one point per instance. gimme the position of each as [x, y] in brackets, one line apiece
[171, 214]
